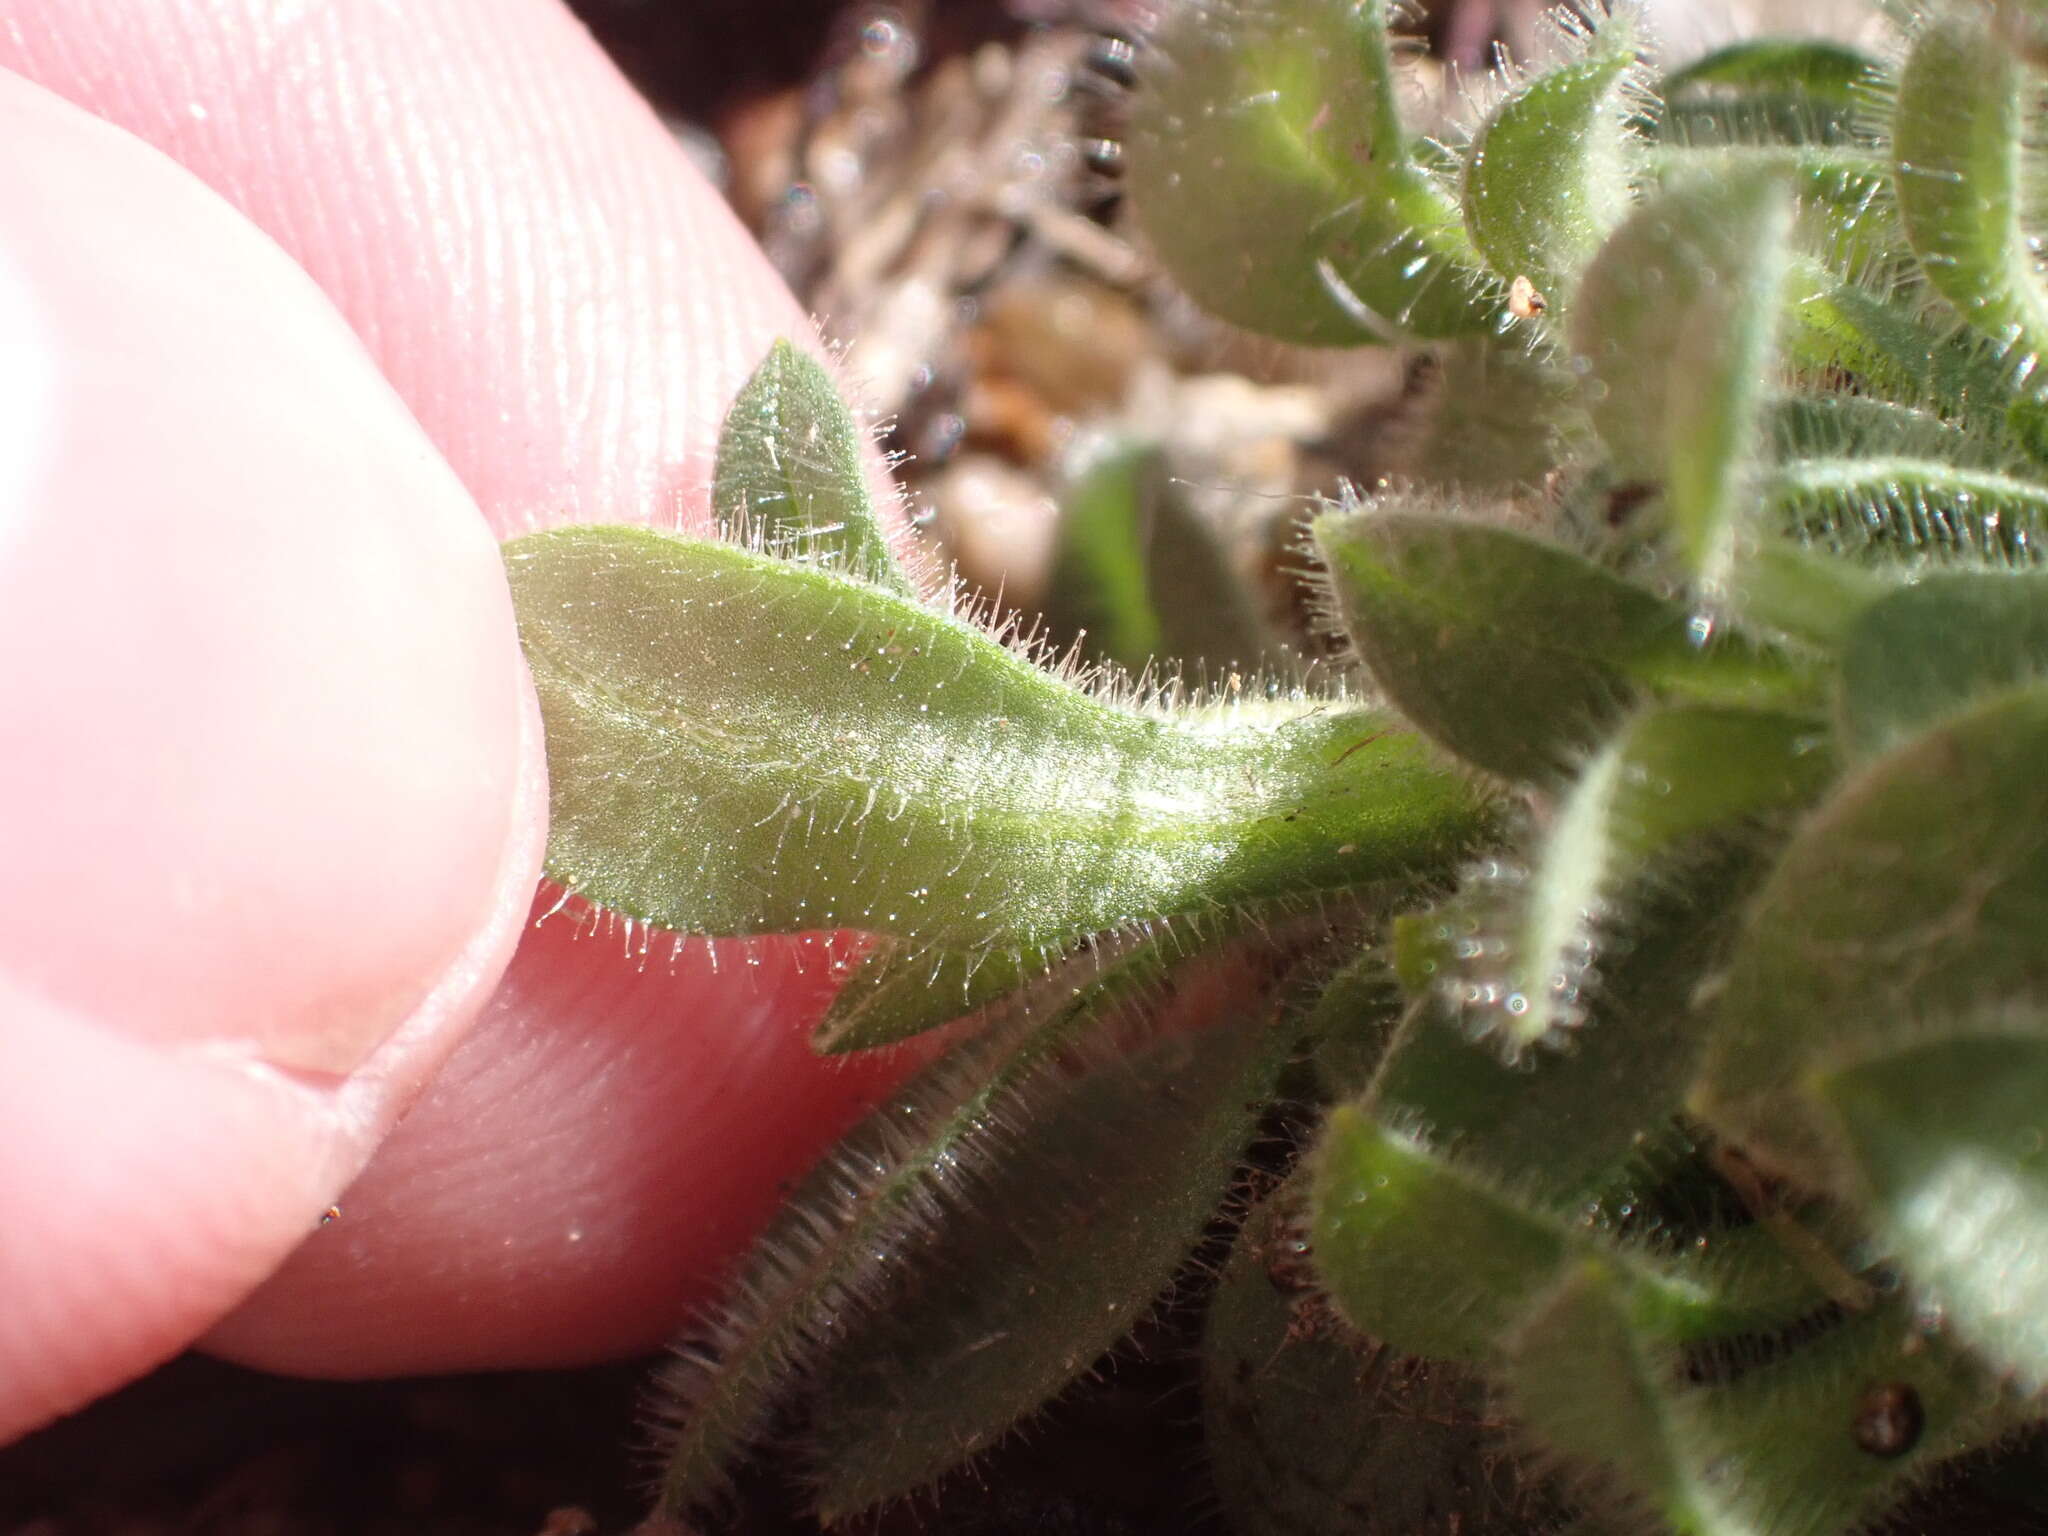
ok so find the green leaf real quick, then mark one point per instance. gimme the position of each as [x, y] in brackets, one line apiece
[1947, 1136]
[790, 476]
[1513, 653]
[1500, 418]
[1415, 1252]
[1918, 891]
[1314, 1430]
[1561, 1124]
[832, 1257]
[1268, 166]
[1138, 576]
[1886, 506]
[1837, 430]
[738, 744]
[1418, 1248]
[1808, 596]
[1778, 1449]
[1356, 1017]
[1845, 220]
[1812, 67]
[1583, 1379]
[1962, 124]
[1929, 650]
[1769, 90]
[1678, 316]
[1895, 351]
[1547, 176]
[1667, 777]
[1055, 1244]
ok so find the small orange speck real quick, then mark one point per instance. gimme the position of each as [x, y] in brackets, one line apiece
[1524, 302]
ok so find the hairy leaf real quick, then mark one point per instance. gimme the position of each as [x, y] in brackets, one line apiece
[1918, 892]
[1547, 175]
[737, 744]
[1056, 1249]
[1894, 351]
[1810, 66]
[1354, 1021]
[837, 1252]
[1269, 167]
[1805, 1440]
[1438, 1259]
[1563, 1121]
[1414, 1252]
[1667, 777]
[790, 475]
[1961, 138]
[1513, 653]
[1887, 506]
[1931, 649]
[1679, 316]
[1768, 90]
[1314, 1430]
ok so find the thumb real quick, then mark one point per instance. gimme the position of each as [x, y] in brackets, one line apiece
[270, 781]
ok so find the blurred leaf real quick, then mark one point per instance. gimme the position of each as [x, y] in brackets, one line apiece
[836, 1252]
[738, 744]
[1314, 1430]
[1583, 1380]
[1918, 892]
[1813, 67]
[1667, 777]
[1778, 1448]
[1355, 1018]
[1845, 222]
[1142, 575]
[1500, 418]
[1832, 430]
[1055, 1245]
[1562, 1122]
[790, 475]
[1929, 650]
[1678, 316]
[1511, 652]
[1548, 173]
[1888, 507]
[1894, 351]
[1417, 1253]
[1418, 1248]
[1269, 168]
[1769, 90]
[1810, 597]
[1961, 143]
[1947, 1135]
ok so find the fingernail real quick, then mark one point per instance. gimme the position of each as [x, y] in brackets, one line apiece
[260, 705]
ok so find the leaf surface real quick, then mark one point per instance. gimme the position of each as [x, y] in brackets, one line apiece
[1056, 1247]
[738, 744]
[789, 472]
[1269, 167]
[1513, 653]
[1917, 893]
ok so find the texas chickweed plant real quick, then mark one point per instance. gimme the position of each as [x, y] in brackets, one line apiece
[1652, 930]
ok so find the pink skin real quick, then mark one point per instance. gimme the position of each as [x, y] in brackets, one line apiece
[274, 790]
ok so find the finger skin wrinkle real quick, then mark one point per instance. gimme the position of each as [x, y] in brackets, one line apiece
[528, 256]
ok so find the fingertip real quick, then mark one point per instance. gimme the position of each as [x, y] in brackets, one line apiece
[561, 1196]
[271, 785]
[562, 299]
